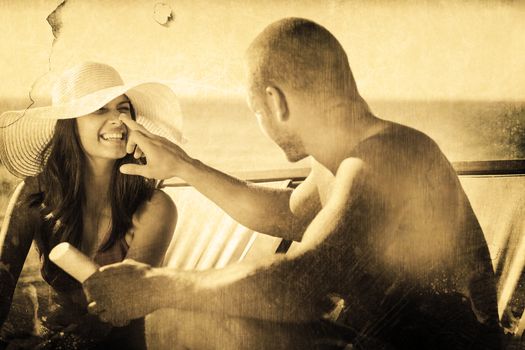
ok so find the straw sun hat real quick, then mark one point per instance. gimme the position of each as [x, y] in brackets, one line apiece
[82, 90]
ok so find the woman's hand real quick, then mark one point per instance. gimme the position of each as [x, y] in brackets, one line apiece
[164, 158]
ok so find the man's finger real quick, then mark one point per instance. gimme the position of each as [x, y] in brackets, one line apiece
[137, 139]
[133, 125]
[138, 153]
[94, 308]
[134, 169]
[130, 143]
[116, 265]
[104, 317]
[120, 323]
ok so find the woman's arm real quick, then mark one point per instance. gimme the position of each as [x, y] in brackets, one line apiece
[16, 236]
[153, 226]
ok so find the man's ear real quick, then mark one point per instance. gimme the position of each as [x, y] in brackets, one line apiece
[277, 102]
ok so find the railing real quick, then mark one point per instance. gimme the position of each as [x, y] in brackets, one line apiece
[491, 167]
[469, 168]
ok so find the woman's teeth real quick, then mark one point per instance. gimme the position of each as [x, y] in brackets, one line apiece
[114, 136]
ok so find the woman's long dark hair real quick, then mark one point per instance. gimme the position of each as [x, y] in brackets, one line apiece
[61, 196]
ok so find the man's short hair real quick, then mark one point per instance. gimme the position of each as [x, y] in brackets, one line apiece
[302, 55]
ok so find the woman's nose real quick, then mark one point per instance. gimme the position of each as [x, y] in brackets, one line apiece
[114, 118]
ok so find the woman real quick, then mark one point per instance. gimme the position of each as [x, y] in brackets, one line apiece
[69, 155]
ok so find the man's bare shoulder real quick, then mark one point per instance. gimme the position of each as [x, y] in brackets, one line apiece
[396, 139]
[399, 152]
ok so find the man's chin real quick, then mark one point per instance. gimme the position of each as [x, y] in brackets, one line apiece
[294, 157]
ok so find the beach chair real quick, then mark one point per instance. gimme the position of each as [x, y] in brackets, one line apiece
[205, 238]
[499, 203]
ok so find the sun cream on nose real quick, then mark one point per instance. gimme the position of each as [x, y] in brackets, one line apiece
[73, 261]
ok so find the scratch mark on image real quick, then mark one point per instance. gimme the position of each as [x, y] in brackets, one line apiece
[163, 14]
[55, 20]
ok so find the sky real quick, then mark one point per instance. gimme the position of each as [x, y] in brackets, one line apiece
[415, 50]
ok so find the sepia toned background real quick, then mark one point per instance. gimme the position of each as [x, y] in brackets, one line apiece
[455, 70]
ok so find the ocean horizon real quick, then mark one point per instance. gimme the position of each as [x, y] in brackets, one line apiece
[224, 133]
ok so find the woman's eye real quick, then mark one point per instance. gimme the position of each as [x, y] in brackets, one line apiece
[123, 110]
[101, 111]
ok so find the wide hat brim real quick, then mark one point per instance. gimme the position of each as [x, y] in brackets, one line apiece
[25, 133]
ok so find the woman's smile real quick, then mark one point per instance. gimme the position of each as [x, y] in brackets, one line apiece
[114, 136]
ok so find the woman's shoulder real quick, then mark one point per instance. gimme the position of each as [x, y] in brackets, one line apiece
[159, 207]
[161, 201]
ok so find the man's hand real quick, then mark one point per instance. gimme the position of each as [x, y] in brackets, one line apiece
[164, 158]
[121, 292]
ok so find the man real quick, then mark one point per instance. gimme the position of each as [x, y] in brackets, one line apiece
[383, 222]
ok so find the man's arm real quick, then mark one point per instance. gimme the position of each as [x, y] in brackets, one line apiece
[260, 208]
[286, 288]
[257, 207]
